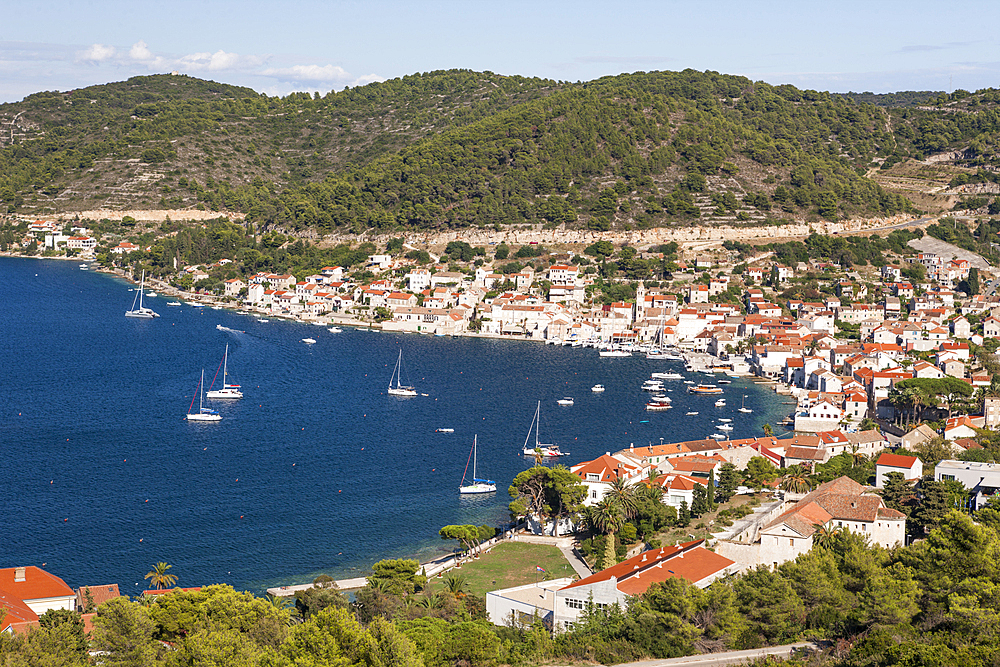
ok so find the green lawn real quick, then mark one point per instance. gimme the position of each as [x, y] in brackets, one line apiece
[511, 564]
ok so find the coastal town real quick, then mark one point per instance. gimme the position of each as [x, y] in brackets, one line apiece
[890, 365]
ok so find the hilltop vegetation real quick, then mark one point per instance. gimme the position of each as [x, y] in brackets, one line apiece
[453, 149]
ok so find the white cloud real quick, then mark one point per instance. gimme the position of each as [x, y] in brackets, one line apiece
[97, 53]
[141, 52]
[368, 78]
[328, 73]
[218, 61]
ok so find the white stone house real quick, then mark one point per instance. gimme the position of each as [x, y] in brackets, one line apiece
[909, 466]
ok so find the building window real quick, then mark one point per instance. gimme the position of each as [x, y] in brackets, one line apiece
[574, 604]
[791, 541]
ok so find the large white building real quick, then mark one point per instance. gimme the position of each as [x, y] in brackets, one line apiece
[981, 479]
[840, 504]
[690, 561]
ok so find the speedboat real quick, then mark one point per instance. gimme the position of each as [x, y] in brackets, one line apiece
[335, 330]
[652, 385]
[566, 400]
[261, 320]
[691, 413]
[725, 421]
[721, 403]
[659, 398]
[150, 293]
[444, 430]
[724, 381]
[717, 436]
[597, 388]
[308, 341]
[173, 303]
[725, 427]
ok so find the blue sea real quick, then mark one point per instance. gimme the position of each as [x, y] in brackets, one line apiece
[316, 470]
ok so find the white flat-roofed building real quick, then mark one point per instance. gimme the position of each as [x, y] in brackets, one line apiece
[981, 479]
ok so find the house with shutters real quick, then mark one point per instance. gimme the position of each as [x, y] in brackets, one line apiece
[598, 475]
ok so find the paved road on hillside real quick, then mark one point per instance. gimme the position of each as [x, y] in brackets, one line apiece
[727, 658]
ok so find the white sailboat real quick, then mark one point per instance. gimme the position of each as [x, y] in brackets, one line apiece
[140, 312]
[743, 406]
[547, 451]
[399, 389]
[204, 414]
[478, 485]
[228, 390]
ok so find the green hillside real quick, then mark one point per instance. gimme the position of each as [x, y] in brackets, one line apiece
[456, 148]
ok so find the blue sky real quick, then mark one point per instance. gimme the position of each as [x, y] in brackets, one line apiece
[280, 47]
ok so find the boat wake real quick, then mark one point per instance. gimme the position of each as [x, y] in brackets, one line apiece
[222, 328]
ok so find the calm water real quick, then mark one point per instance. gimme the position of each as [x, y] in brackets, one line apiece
[315, 470]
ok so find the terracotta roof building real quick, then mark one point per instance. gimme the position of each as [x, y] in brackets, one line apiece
[689, 561]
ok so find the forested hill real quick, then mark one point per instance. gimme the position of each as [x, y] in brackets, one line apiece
[460, 148]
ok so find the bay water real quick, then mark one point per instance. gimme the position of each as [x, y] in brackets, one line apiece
[316, 470]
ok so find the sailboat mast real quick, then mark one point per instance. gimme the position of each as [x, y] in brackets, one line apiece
[201, 394]
[475, 453]
[538, 421]
[225, 366]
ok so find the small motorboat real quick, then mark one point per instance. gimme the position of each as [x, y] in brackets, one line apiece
[566, 400]
[151, 294]
[262, 320]
[173, 303]
[724, 381]
[725, 421]
[656, 406]
[725, 427]
[444, 430]
[335, 330]
[721, 403]
[308, 341]
[597, 388]
[691, 413]
[717, 436]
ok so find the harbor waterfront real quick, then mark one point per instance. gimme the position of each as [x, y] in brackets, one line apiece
[316, 470]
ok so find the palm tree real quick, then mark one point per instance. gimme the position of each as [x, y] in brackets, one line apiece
[456, 584]
[607, 517]
[158, 577]
[768, 431]
[796, 480]
[825, 533]
[857, 458]
[623, 496]
[538, 455]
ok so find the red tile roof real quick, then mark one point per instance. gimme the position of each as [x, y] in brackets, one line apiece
[688, 561]
[98, 594]
[896, 460]
[37, 585]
